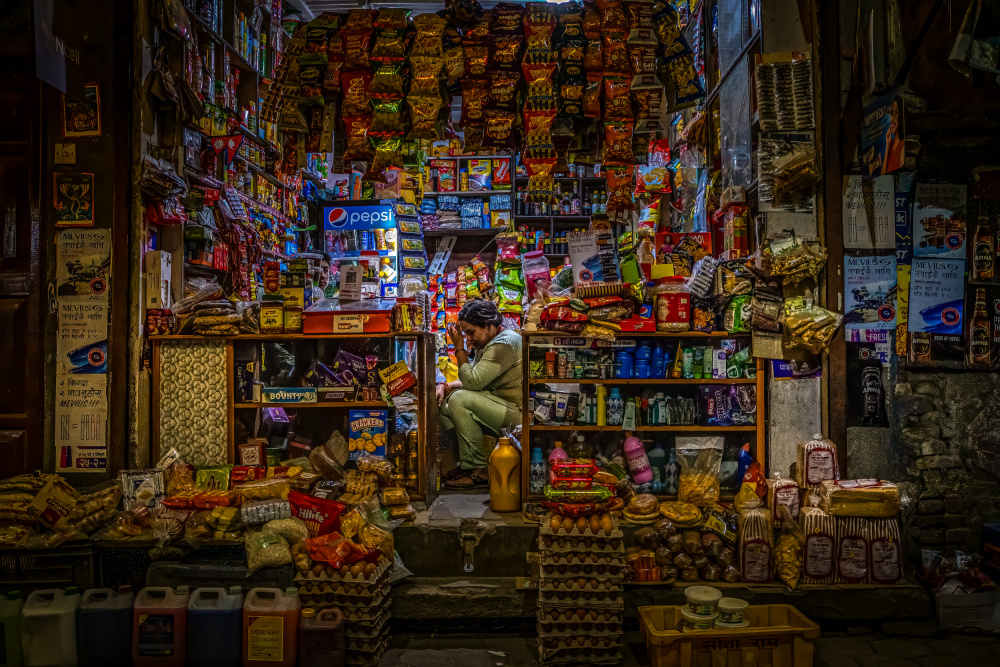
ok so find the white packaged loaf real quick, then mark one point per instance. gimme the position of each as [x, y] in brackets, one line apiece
[818, 552]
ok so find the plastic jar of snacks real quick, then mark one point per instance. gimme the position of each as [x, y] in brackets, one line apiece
[673, 302]
[272, 314]
[702, 600]
[693, 621]
[732, 610]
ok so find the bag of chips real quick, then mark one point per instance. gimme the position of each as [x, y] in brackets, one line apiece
[619, 180]
[618, 144]
[617, 100]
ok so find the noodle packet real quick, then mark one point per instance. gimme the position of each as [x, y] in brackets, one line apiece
[700, 461]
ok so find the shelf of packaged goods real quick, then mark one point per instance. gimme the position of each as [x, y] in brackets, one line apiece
[240, 61]
[282, 337]
[644, 381]
[315, 178]
[250, 201]
[468, 157]
[618, 429]
[647, 334]
[203, 24]
[345, 405]
[245, 131]
[260, 172]
[489, 231]
[468, 193]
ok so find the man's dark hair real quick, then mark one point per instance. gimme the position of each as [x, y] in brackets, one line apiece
[480, 313]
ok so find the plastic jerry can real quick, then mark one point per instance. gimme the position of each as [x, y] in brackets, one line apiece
[505, 477]
[48, 628]
[321, 638]
[104, 628]
[271, 627]
[159, 630]
[215, 620]
[10, 633]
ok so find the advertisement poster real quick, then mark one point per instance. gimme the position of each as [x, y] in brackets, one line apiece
[904, 218]
[866, 401]
[939, 221]
[982, 350]
[936, 312]
[73, 199]
[883, 138]
[82, 272]
[870, 292]
[902, 307]
[869, 214]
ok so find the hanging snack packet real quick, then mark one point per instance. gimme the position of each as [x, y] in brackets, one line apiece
[426, 77]
[357, 43]
[572, 50]
[613, 13]
[639, 14]
[642, 51]
[619, 181]
[454, 56]
[506, 52]
[392, 18]
[508, 248]
[503, 90]
[593, 57]
[477, 58]
[390, 45]
[354, 89]
[541, 93]
[616, 60]
[386, 120]
[427, 40]
[499, 131]
[356, 130]
[686, 82]
[473, 138]
[507, 19]
[424, 112]
[474, 94]
[539, 25]
[591, 21]
[618, 143]
[571, 98]
[538, 134]
[592, 95]
[666, 23]
[360, 19]
[317, 38]
[311, 79]
[387, 83]
[617, 100]
[387, 154]
[541, 184]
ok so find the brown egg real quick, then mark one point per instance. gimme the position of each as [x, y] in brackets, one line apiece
[547, 541]
[344, 570]
[567, 525]
[331, 571]
[554, 523]
[369, 570]
[574, 596]
[606, 526]
[581, 582]
[587, 542]
[581, 524]
[554, 614]
[607, 616]
[594, 584]
[580, 614]
[357, 569]
[318, 569]
[595, 524]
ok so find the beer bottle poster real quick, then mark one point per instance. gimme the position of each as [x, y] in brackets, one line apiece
[936, 312]
[939, 221]
[870, 292]
[866, 403]
[983, 349]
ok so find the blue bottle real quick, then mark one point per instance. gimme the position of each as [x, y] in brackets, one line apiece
[215, 627]
[623, 365]
[104, 628]
[616, 408]
[538, 472]
[658, 367]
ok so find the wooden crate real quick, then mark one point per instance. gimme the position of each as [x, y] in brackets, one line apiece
[779, 635]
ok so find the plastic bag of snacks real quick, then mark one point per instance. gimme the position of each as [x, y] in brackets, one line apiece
[266, 550]
[788, 550]
[700, 460]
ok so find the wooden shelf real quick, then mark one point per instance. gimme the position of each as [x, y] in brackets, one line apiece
[486, 231]
[260, 172]
[323, 404]
[618, 429]
[471, 157]
[468, 193]
[649, 334]
[643, 381]
[239, 337]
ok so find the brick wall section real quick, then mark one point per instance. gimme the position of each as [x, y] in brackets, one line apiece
[949, 424]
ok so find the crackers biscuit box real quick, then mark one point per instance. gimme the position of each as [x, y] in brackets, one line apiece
[369, 432]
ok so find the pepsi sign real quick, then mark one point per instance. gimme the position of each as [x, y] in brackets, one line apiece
[374, 216]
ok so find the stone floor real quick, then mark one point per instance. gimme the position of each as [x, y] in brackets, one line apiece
[912, 645]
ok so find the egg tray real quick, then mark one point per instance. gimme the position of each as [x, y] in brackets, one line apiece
[365, 658]
[366, 615]
[343, 588]
[589, 600]
[357, 645]
[614, 573]
[373, 580]
[578, 649]
[578, 628]
[575, 545]
[546, 529]
[569, 615]
[572, 558]
[363, 631]
[343, 603]
[592, 585]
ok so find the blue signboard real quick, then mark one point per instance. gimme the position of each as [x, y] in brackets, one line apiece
[365, 216]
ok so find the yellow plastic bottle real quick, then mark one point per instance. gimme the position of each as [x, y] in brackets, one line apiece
[505, 477]
[602, 405]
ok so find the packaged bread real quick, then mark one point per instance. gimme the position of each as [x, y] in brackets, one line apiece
[782, 491]
[816, 462]
[873, 498]
[788, 550]
[853, 550]
[755, 545]
[819, 530]
[886, 565]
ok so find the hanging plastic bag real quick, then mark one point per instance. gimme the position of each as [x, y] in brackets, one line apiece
[700, 461]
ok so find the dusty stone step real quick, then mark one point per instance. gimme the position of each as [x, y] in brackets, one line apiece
[423, 598]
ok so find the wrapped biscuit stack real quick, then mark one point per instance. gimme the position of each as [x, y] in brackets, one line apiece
[582, 566]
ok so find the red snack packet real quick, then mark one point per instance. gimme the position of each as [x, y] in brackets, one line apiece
[575, 483]
[618, 144]
[576, 510]
[241, 474]
[573, 468]
[320, 515]
[620, 189]
[617, 100]
[334, 549]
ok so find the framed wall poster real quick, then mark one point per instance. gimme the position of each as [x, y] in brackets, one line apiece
[939, 220]
[870, 292]
[883, 139]
[869, 213]
[82, 118]
[936, 312]
[73, 199]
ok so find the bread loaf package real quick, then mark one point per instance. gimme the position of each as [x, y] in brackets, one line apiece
[853, 550]
[755, 545]
[886, 563]
[782, 491]
[816, 462]
[820, 532]
[873, 498]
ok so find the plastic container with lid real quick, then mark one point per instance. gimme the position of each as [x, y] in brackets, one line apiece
[673, 301]
[215, 627]
[321, 638]
[10, 620]
[104, 627]
[732, 610]
[702, 600]
[271, 627]
[48, 628]
[272, 314]
[159, 635]
[693, 621]
[623, 364]
[731, 626]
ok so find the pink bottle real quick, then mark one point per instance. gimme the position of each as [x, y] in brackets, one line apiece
[638, 462]
[557, 453]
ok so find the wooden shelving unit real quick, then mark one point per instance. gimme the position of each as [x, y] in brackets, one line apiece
[758, 429]
[424, 391]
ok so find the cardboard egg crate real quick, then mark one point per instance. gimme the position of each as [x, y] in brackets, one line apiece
[357, 658]
[366, 615]
[579, 628]
[576, 650]
[364, 631]
[344, 602]
[613, 573]
[548, 599]
[568, 615]
[572, 558]
[589, 585]
[357, 590]
[370, 646]
[311, 577]
[546, 529]
[556, 545]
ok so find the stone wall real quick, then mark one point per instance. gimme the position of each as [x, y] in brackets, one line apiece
[949, 426]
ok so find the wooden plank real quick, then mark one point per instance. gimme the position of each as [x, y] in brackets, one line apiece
[154, 392]
[761, 454]
[230, 398]
[344, 405]
[642, 381]
[525, 421]
[641, 429]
